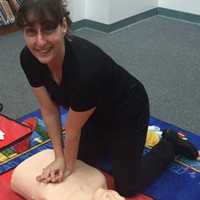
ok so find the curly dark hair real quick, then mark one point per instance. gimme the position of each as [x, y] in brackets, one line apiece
[42, 10]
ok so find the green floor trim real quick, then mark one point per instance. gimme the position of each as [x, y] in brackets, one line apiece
[107, 28]
[178, 15]
[114, 26]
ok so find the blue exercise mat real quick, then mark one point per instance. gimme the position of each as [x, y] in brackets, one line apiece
[178, 182]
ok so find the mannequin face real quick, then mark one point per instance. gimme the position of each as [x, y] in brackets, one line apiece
[46, 40]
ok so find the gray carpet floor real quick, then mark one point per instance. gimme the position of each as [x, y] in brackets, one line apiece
[161, 52]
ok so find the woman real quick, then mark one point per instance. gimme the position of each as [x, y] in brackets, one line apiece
[108, 109]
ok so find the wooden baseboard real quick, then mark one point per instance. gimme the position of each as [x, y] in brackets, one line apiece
[8, 29]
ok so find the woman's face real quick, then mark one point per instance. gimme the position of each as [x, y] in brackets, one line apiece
[46, 40]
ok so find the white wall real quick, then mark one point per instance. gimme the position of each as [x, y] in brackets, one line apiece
[97, 10]
[108, 11]
[121, 9]
[189, 6]
[77, 9]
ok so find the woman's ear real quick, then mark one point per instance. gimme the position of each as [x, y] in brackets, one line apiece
[65, 25]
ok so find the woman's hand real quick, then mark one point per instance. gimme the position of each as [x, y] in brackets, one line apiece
[54, 172]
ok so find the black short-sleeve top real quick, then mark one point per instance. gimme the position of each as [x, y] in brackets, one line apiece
[90, 78]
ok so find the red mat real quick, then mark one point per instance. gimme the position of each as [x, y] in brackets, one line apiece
[7, 194]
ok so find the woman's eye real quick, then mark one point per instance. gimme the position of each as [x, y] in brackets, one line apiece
[49, 28]
[30, 31]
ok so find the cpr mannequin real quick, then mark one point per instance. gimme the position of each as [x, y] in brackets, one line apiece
[86, 183]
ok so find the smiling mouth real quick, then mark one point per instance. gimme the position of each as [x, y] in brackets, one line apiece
[43, 51]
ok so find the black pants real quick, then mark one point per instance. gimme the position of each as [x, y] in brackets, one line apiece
[131, 171]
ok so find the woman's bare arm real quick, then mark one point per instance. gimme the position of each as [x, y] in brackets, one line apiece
[74, 123]
[51, 116]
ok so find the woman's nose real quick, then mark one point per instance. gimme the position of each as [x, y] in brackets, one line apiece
[40, 39]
